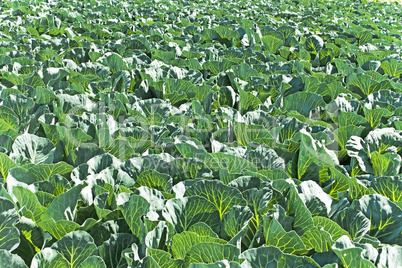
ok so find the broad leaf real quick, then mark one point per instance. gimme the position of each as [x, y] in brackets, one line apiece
[32, 149]
[63, 207]
[133, 207]
[186, 211]
[10, 235]
[8, 259]
[76, 247]
[384, 215]
[272, 256]
[184, 241]
[208, 252]
[222, 196]
[275, 235]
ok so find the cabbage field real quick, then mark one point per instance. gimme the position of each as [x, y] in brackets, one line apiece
[202, 134]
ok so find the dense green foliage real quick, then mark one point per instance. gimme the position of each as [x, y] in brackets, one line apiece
[200, 134]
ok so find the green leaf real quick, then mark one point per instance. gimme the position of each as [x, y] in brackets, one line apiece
[290, 128]
[165, 56]
[72, 138]
[133, 207]
[76, 247]
[316, 200]
[244, 71]
[94, 56]
[364, 37]
[178, 86]
[164, 259]
[387, 164]
[317, 239]
[112, 249]
[246, 134]
[29, 201]
[272, 43]
[8, 259]
[273, 257]
[32, 239]
[247, 101]
[101, 204]
[184, 241]
[154, 180]
[226, 32]
[5, 164]
[208, 252]
[375, 116]
[9, 234]
[19, 104]
[314, 43]
[45, 171]
[222, 196]
[384, 140]
[329, 226]
[202, 229]
[44, 95]
[215, 67]
[235, 221]
[157, 236]
[93, 261]
[351, 258]
[389, 186]
[384, 98]
[364, 85]
[296, 208]
[342, 134]
[353, 221]
[349, 255]
[47, 54]
[189, 147]
[10, 79]
[384, 215]
[49, 258]
[303, 102]
[34, 80]
[60, 228]
[314, 158]
[78, 55]
[345, 119]
[8, 121]
[356, 148]
[186, 211]
[234, 164]
[392, 67]
[63, 207]
[258, 201]
[220, 264]
[275, 235]
[83, 153]
[371, 65]
[325, 56]
[357, 189]
[31, 149]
